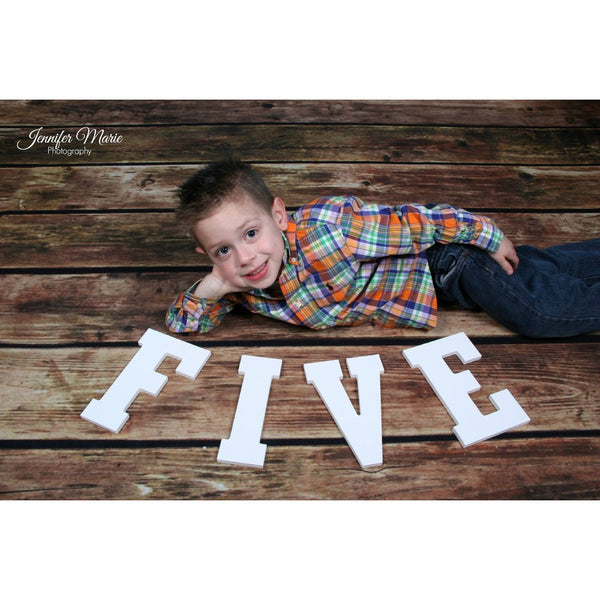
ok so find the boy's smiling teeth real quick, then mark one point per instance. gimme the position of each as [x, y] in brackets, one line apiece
[257, 272]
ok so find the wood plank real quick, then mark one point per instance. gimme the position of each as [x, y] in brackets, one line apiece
[152, 187]
[153, 240]
[311, 143]
[85, 240]
[533, 113]
[562, 468]
[105, 307]
[45, 390]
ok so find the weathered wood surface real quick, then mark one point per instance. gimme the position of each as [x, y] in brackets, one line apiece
[119, 307]
[90, 258]
[534, 113]
[327, 143]
[474, 187]
[44, 393]
[555, 468]
[154, 240]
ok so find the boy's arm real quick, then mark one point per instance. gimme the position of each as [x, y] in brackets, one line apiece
[411, 228]
[373, 231]
[453, 225]
[448, 225]
[197, 309]
[485, 234]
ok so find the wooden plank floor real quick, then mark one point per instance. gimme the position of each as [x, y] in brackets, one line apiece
[90, 259]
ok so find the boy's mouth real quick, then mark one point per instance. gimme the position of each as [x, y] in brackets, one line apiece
[258, 273]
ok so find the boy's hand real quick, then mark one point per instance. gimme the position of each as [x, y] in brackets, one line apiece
[213, 286]
[506, 256]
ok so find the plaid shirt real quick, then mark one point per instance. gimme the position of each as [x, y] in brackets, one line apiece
[346, 263]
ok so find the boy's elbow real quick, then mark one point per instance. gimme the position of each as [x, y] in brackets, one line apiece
[175, 324]
[189, 325]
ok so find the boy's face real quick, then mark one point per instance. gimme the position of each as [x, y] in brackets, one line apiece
[244, 242]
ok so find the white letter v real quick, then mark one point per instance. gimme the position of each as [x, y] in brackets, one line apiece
[361, 431]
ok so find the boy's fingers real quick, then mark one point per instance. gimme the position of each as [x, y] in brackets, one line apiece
[508, 261]
[507, 256]
[513, 258]
[507, 266]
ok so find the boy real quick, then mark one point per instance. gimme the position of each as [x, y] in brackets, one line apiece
[338, 261]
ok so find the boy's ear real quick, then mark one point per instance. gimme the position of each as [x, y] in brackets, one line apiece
[279, 213]
[200, 250]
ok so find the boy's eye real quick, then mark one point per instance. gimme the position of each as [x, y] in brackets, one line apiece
[251, 233]
[222, 251]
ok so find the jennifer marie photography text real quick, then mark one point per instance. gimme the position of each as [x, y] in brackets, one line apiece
[55, 141]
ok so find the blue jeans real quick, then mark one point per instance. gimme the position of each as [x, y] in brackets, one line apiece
[553, 293]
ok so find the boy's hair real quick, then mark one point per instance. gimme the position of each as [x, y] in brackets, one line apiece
[220, 181]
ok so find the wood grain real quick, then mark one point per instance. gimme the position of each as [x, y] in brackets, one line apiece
[558, 468]
[533, 113]
[323, 143]
[474, 187]
[119, 307]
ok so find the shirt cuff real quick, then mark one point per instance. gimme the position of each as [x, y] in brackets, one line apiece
[488, 236]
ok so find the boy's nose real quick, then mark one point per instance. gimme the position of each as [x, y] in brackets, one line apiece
[245, 256]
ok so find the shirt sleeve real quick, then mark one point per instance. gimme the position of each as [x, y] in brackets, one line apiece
[373, 230]
[191, 313]
[451, 225]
